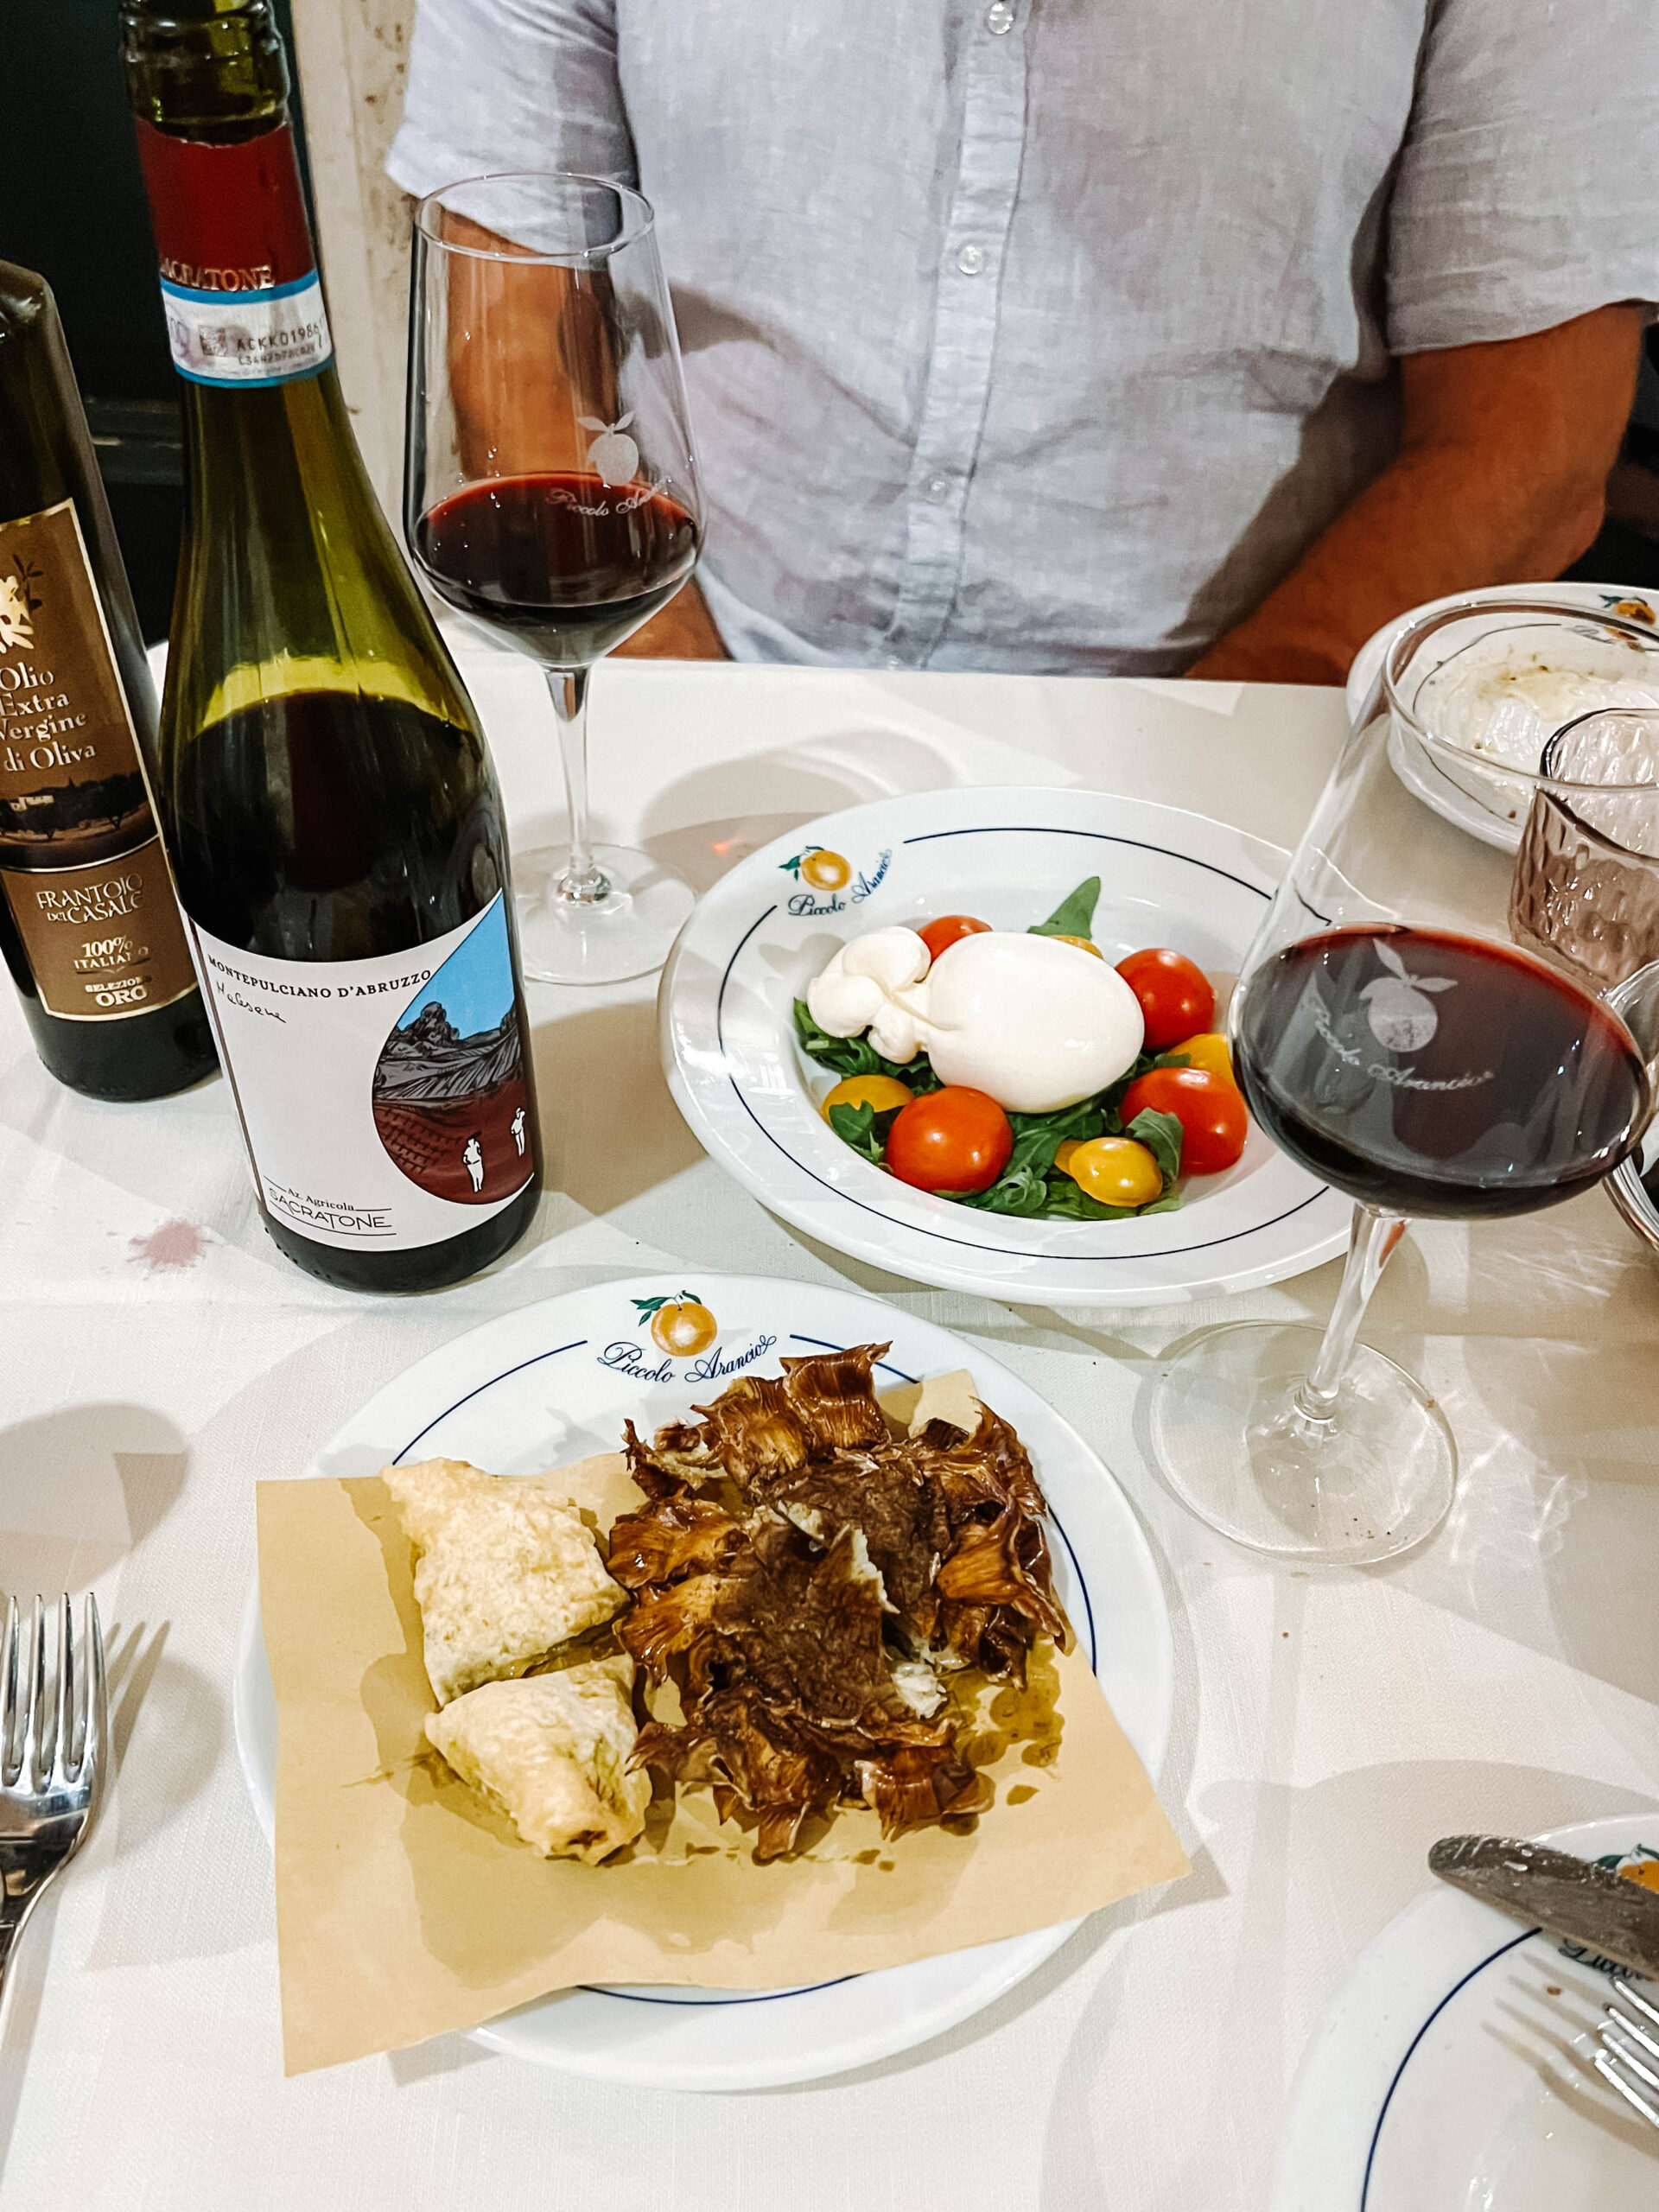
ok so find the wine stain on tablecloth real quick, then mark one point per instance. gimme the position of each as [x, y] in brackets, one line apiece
[176, 1245]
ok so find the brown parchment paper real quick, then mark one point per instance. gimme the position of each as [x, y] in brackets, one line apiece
[406, 1907]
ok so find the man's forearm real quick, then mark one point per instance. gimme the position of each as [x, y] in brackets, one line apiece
[1501, 479]
[1433, 523]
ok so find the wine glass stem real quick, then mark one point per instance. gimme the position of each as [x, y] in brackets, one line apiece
[1371, 1241]
[583, 882]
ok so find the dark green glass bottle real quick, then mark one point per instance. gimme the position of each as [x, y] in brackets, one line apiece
[324, 787]
[88, 923]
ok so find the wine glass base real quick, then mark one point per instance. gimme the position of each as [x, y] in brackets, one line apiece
[1376, 1481]
[628, 933]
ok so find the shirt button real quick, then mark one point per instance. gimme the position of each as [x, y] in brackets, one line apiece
[998, 18]
[937, 490]
[971, 260]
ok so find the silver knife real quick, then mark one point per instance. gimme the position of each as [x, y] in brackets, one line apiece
[1590, 1906]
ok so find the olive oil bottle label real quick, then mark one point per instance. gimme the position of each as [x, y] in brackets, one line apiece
[239, 283]
[80, 868]
[383, 1102]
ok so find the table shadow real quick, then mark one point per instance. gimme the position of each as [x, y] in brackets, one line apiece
[80, 1489]
[1553, 1534]
[610, 1129]
[690, 825]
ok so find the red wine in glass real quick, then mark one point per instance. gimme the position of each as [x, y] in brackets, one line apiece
[569, 565]
[1426, 1073]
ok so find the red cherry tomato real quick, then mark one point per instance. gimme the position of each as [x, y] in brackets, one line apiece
[949, 929]
[1210, 1111]
[1176, 999]
[951, 1140]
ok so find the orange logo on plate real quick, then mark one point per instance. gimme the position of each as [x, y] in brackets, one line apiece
[683, 1326]
[822, 869]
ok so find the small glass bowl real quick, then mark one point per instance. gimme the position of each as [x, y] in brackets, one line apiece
[1476, 762]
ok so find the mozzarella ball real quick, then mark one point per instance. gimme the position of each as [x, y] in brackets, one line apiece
[1035, 1023]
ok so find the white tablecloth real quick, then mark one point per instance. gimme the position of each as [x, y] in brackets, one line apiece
[157, 1355]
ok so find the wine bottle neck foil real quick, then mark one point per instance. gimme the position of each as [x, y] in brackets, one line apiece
[240, 284]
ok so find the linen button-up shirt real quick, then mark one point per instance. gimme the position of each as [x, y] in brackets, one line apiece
[1047, 335]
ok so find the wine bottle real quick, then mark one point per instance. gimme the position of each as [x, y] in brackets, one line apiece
[88, 923]
[323, 783]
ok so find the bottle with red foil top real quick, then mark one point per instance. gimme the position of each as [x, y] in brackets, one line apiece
[323, 786]
[239, 283]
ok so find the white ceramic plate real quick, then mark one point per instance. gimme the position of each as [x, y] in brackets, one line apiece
[1008, 856]
[1487, 806]
[555, 1382]
[1453, 2069]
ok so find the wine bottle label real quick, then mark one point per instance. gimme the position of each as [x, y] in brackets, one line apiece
[239, 282]
[254, 338]
[383, 1102]
[80, 868]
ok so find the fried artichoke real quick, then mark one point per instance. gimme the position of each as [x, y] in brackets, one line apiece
[803, 1578]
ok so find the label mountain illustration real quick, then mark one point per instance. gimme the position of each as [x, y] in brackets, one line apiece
[451, 1106]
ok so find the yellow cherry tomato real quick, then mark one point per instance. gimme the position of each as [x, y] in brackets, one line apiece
[1115, 1171]
[1208, 1050]
[879, 1092]
[1062, 1157]
[1082, 943]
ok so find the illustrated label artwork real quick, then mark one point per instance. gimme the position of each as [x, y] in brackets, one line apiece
[384, 1102]
[81, 869]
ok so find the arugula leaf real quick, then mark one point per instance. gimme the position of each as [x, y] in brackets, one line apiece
[863, 1129]
[1037, 1137]
[1074, 916]
[1064, 1120]
[857, 1056]
[1069, 1201]
[1161, 1135]
[1019, 1191]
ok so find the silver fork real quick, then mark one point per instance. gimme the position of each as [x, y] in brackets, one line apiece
[53, 1754]
[1628, 2057]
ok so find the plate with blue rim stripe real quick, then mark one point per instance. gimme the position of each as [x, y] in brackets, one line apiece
[553, 1382]
[1453, 2065]
[1008, 857]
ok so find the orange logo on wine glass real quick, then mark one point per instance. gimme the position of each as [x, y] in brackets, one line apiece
[613, 456]
[1401, 1019]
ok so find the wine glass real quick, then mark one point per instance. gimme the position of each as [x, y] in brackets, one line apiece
[551, 491]
[1391, 1036]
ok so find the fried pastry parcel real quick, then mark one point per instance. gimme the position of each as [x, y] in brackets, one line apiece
[553, 1752]
[505, 1572]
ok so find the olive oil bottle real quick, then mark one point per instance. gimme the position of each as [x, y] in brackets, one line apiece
[89, 925]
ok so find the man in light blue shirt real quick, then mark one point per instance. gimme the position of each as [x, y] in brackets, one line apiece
[1065, 335]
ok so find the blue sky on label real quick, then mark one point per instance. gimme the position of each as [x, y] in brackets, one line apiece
[475, 985]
